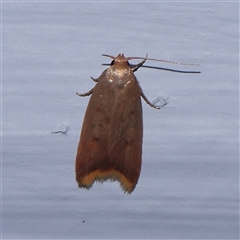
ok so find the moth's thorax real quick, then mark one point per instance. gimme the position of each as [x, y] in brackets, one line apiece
[119, 73]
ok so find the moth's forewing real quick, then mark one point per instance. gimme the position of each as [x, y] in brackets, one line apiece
[110, 144]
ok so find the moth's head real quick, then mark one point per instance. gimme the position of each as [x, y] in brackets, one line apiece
[120, 61]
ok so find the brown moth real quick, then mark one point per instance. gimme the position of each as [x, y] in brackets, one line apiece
[110, 146]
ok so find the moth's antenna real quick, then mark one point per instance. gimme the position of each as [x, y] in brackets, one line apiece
[106, 55]
[166, 61]
[135, 67]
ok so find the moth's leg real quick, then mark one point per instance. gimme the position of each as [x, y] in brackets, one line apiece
[94, 79]
[146, 100]
[136, 67]
[85, 94]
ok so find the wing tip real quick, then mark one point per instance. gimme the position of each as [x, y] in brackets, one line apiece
[101, 176]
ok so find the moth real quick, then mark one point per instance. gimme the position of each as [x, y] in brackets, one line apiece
[110, 146]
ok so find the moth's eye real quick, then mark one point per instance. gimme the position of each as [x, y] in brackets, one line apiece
[112, 62]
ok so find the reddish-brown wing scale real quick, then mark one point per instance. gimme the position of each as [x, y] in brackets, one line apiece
[110, 146]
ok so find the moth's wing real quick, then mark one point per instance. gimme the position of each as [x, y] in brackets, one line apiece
[93, 144]
[126, 132]
[110, 144]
